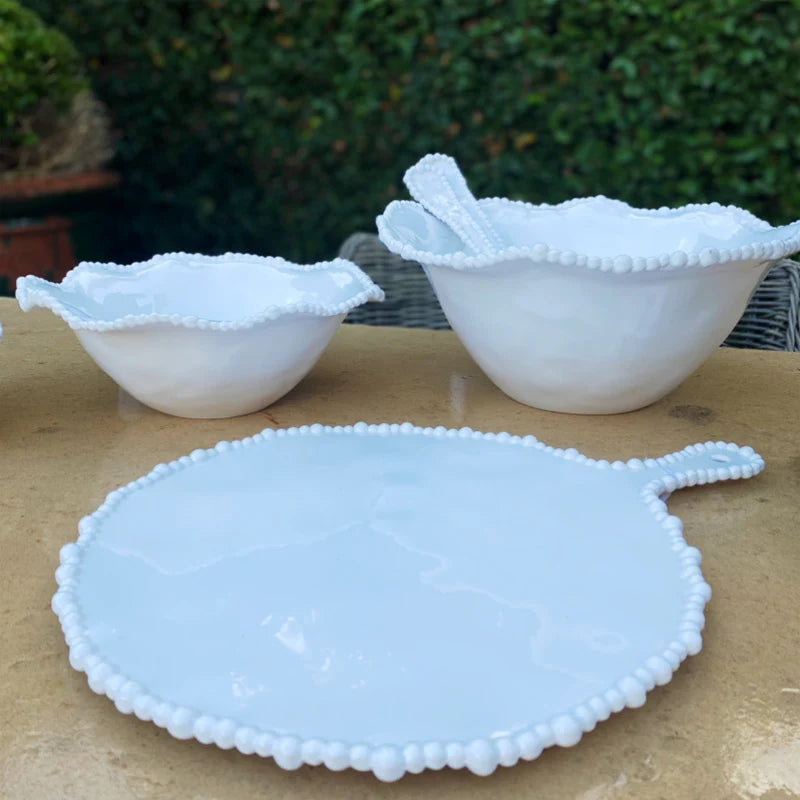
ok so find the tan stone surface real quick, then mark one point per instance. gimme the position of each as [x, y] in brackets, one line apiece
[727, 726]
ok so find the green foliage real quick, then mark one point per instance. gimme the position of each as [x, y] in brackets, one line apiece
[282, 126]
[40, 74]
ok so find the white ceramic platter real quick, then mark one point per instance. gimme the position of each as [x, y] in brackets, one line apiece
[387, 597]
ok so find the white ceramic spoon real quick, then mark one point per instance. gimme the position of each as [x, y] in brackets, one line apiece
[437, 184]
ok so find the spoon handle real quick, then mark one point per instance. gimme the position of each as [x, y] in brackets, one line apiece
[437, 184]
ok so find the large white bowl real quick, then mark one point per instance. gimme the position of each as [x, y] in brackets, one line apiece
[592, 306]
[204, 336]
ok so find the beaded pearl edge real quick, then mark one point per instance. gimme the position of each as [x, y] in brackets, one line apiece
[33, 291]
[391, 762]
[542, 253]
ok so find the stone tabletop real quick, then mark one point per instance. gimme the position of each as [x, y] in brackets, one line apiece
[726, 726]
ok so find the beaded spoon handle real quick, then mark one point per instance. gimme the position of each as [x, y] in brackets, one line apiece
[438, 185]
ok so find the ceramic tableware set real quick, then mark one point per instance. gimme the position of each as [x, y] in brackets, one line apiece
[391, 598]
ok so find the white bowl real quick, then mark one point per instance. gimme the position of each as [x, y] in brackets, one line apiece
[592, 306]
[204, 336]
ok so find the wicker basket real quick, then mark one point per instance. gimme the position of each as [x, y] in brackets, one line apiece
[410, 301]
[770, 322]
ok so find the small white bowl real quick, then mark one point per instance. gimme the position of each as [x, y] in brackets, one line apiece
[592, 306]
[204, 336]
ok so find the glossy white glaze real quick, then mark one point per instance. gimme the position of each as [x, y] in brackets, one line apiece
[387, 597]
[590, 306]
[204, 336]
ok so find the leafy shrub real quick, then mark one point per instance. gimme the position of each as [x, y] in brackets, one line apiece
[282, 126]
[40, 75]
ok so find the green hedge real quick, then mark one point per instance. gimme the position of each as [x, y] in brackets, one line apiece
[40, 74]
[281, 126]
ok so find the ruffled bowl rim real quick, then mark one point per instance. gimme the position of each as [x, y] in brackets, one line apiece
[33, 291]
[772, 250]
